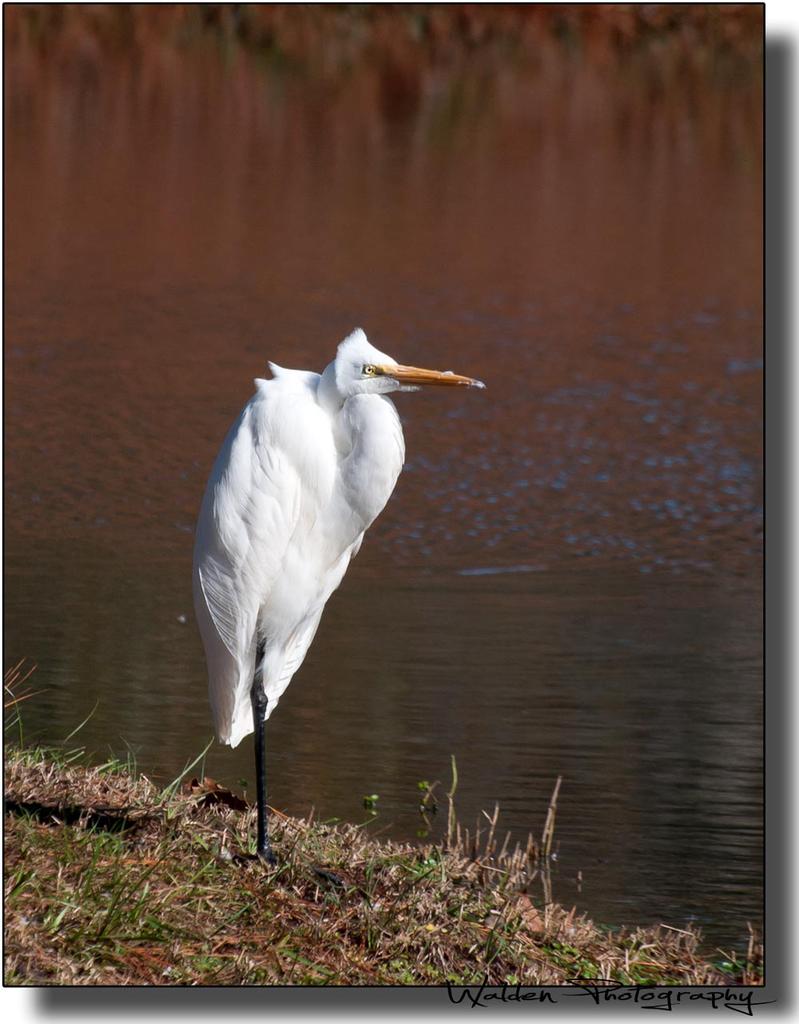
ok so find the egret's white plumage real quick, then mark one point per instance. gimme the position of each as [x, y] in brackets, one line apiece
[308, 465]
[306, 468]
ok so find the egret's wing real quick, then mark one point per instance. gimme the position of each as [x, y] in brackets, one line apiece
[254, 501]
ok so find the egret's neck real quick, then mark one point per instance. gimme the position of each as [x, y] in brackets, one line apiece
[327, 393]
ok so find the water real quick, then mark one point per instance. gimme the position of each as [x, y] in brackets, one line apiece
[567, 579]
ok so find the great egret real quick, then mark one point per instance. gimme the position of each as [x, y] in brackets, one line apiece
[305, 469]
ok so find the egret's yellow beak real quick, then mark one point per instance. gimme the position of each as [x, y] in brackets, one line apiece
[417, 377]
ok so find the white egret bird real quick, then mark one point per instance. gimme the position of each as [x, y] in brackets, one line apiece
[305, 469]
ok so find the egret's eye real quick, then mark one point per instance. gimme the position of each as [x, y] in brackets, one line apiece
[369, 370]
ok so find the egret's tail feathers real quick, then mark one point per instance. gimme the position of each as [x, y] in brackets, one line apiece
[240, 726]
[230, 678]
[241, 722]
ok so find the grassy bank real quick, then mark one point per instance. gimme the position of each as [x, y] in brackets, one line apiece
[111, 881]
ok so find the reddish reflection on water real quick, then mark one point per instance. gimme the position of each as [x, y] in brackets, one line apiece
[579, 226]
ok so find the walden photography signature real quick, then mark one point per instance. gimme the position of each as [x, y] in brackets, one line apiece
[643, 997]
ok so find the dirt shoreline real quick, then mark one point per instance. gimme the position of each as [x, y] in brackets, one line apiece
[111, 881]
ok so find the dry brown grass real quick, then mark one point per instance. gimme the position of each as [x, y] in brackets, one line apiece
[109, 881]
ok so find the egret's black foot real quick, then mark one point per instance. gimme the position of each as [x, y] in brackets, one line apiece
[268, 859]
[267, 856]
[264, 855]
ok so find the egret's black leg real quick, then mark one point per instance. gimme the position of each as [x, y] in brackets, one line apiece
[258, 698]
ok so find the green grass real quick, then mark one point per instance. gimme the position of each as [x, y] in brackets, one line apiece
[110, 881]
